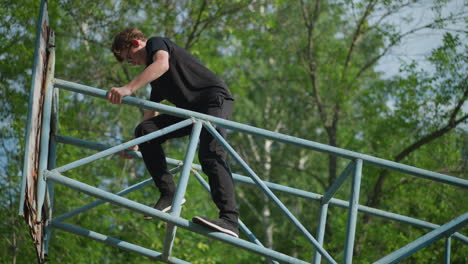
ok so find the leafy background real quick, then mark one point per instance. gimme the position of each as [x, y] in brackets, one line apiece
[341, 73]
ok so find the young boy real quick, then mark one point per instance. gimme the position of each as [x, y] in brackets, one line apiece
[178, 77]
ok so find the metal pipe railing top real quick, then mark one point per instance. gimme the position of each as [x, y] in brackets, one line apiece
[88, 90]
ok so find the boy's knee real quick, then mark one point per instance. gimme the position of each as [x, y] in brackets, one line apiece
[139, 130]
[144, 128]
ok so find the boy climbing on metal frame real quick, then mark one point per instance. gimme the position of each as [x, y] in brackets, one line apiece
[177, 76]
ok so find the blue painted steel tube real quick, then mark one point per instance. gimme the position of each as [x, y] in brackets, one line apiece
[337, 184]
[99, 202]
[113, 242]
[321, 231]
[280, 188]
[96, 203]
[180, 222]
[45, 131]
[268, 134]
[443, 231]
[447, 250]
[53, 142]
[124, 146]
[81, 143]
[99, 147]
[37, 45]
[54, 126]
[352, 213]
[269, 193]
[181, 188]
[242, 226]
[51, 165]
[324, 207]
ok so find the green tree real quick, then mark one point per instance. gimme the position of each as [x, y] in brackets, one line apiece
[304, 68]
[330, 52]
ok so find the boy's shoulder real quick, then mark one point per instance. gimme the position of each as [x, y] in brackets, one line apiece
[159, 38]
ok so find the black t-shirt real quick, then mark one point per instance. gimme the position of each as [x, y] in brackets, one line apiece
[187, 83]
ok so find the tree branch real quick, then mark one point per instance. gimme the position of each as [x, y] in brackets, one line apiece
[391, 12]
[430, 137]
[372, 61]
[311, 64]
[191, 36]
[209, 21]
[461, 101]
[452, 123]
[357, 34]
[305, 14]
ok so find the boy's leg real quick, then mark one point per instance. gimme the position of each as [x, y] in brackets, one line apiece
[212, 157]
[154, 157]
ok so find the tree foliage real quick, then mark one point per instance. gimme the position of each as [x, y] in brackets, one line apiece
[310, 69]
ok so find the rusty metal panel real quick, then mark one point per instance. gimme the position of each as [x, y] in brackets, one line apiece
[28, 208]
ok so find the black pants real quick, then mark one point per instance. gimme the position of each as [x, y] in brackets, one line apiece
[211, 155]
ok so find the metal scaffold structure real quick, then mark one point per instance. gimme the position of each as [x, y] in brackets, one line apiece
[40, 174]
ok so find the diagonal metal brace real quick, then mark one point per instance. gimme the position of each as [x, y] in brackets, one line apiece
[337, 184]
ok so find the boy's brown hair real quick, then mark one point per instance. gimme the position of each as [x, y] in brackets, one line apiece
[123, 41]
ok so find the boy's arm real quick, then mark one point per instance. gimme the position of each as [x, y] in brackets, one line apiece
[159, 66]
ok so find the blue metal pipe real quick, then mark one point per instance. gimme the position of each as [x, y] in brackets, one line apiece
[443, 231]
[352, 213]
[186, 167]
[337, 184]
[143, 209]
[268, 134]
[52, 159]
[447, 250]
[280, 188]
[321, 231]
[269, 193]
[124, 146]
[54, 125]
[113, 242]
[83, 143]
[51, 165]
[181, 188]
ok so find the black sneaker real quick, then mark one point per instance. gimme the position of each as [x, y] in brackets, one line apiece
[164, 204]
[220, 225]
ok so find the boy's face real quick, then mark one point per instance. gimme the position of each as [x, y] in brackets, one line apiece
[136, 53]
